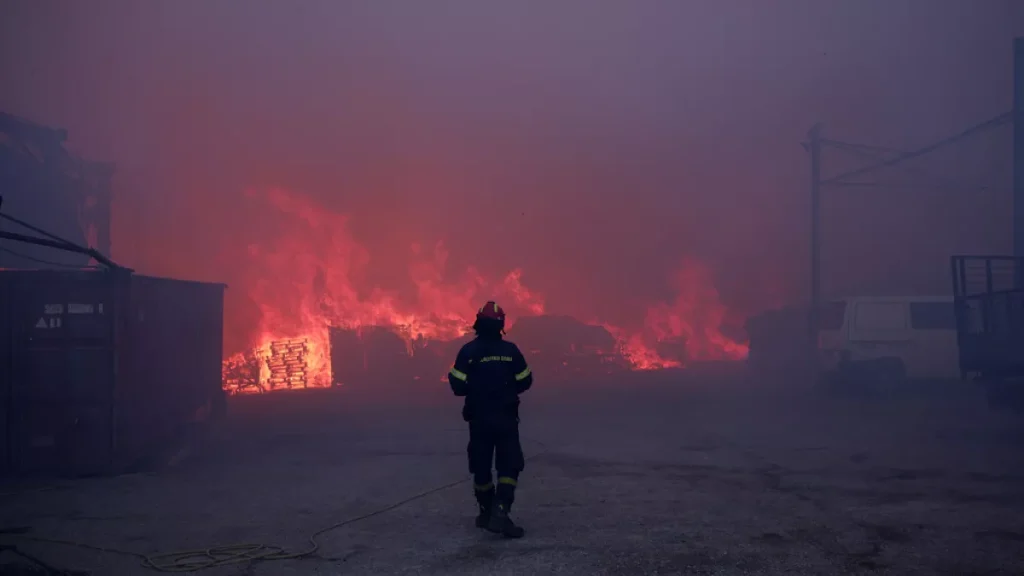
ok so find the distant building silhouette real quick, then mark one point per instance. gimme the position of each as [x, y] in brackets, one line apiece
[43, 184]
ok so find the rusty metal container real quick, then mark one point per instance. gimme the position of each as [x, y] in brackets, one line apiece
[103, 369]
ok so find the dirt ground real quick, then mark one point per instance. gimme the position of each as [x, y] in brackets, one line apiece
[643, 478]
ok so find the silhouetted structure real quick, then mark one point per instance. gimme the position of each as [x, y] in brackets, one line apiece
[880, 159]
[43, 183]
[561, 346]
[377, 357]
[103, 371]
[555, 346]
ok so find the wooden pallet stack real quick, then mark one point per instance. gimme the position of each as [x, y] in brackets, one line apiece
[286, 360]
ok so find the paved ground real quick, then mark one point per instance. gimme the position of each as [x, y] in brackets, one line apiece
[643, 480]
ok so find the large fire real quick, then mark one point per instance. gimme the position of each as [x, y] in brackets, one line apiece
[310, 280]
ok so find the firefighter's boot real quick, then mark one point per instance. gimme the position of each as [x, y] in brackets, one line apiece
[485, 502]
[500, 522]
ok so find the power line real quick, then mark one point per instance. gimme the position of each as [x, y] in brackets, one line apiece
[861, 147]
[875, 153]
[40, 231]
[992, 123]
[814, 147]
[44, 262]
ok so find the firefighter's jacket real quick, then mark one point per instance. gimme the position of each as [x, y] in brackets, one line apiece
[490, 373]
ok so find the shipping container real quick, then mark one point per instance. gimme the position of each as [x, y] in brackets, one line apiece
[103, 369]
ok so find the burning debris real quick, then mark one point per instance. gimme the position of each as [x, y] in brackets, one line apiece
[242, 373]
[309, 281]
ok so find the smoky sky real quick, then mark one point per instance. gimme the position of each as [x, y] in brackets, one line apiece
[592, 143]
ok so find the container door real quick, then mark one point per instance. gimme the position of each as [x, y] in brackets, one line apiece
[61, 409]
[61, 366]
[61, 438]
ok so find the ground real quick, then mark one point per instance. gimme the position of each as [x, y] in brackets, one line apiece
[642, 478]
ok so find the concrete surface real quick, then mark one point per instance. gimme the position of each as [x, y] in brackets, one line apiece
[645, 479]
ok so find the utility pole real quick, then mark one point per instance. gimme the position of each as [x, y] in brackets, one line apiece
[1018, 151]
[814, 147]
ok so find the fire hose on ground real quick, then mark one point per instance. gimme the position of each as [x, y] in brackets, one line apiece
[195, 560]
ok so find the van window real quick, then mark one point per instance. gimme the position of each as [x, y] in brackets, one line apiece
[932, 316]
[830, 316]
[880, 316]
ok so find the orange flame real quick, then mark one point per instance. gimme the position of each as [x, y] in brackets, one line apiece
[695, 318]
[306, 282]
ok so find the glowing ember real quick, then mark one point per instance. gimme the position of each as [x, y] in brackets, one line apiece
[307, 278]
[242, 373]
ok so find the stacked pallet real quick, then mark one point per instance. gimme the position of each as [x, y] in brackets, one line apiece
[286, 361]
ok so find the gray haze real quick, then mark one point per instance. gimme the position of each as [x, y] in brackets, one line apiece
[616, 136]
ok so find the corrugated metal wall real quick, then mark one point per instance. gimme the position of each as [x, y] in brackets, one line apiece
[59, 328]
[101, 368]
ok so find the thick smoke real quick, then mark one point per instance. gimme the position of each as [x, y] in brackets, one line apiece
[600, 149]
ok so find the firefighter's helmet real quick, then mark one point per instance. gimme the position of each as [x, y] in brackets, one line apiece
[490, 317]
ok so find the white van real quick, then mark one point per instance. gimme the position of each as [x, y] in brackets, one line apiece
[906, 337]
